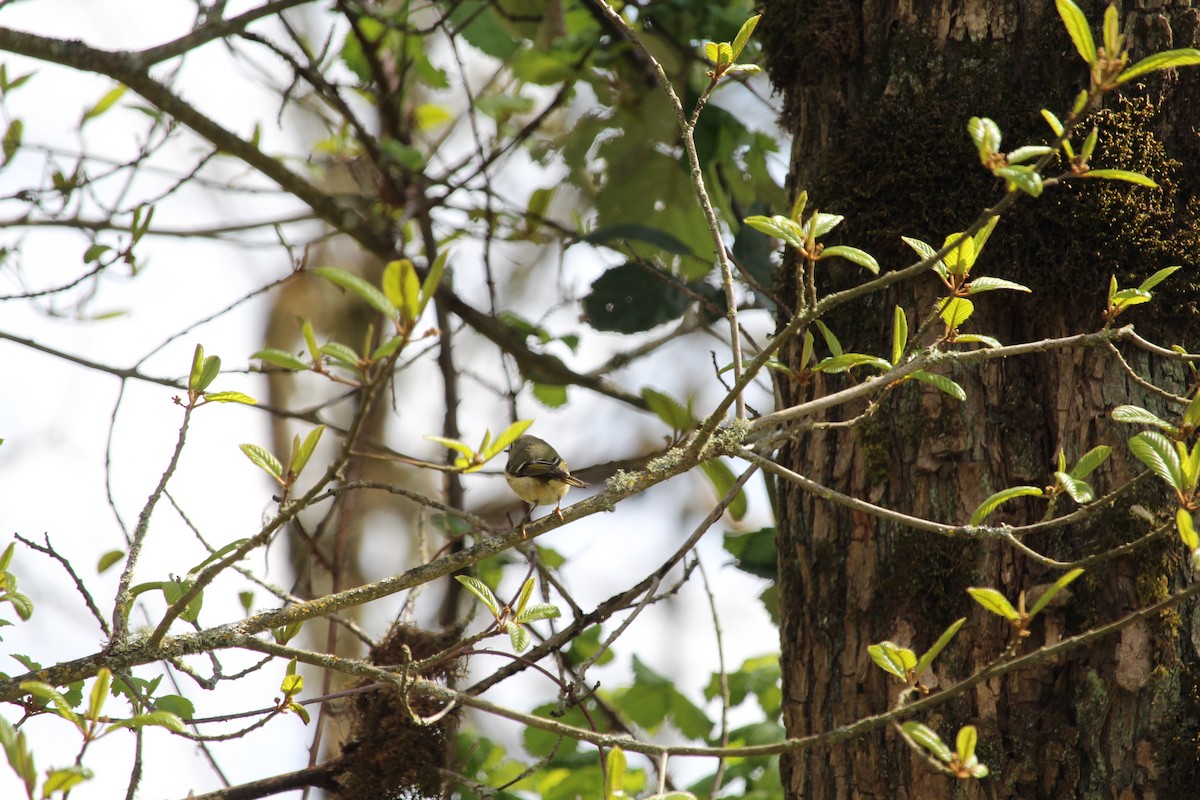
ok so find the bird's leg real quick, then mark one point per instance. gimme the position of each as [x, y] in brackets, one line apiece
[558, 512]
[525, 520]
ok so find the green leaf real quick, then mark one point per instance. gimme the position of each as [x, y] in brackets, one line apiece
[954, 311]
[939, 382]
[433, 279]
[1191, 416]
[780, 227]
[925, 736]
[1053, 122]
[1079, 31]
[1090, 461]
[550, 395]
[743, 35]
[924, 250]
[263, 459]
[1187, 529]
[961, 258]
[1027, 152]
[1004, 495]
[614, 774]
[986, 284]
[402, 289]
[986, 135]
[106, 560]
[1157, 278]
[161, 719]
[301, 452]
[723, 479]
[507, 437]
[519, 637]
[292, 684]
[45, 691]
[1089, 143]
[280, 358]
[1165, 60]
[964, 744]
[64, 779]
[899, 334]
[929, 655]
[994, 602]
[368, 293]
[480, 590]
[174, 591]
[1054, 589]
[821, 223]
[104, 104]
[668, 409]
[230, 397]
[175, 704]
[1136, 415]
[341, 353]
[860, 257]
[1023, 177]
[754, 552]
[1120, 175]
[94, 253]
[99, 694]
[978, 338]
[1156, 452]
[831, 341]
[208, 373]
[643, 233]
[1113, 40]
[1080, 491]
[523, 596]
[538, 611]
[629, 299]
[893, 659]
[846, 361]
[197, 368]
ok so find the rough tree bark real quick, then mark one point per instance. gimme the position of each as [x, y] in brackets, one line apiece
[877, 95]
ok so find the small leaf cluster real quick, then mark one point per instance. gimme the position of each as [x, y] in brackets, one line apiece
[205, 370]
[802, 235]
[8, 589]
[471, 459]
[1018, 617]
[511, 620]
[1066, 481]
[292, 685]
[402, 299]
[302, 451]
[1119, 300]
[724, 55]
[904, 663]
[960, 762]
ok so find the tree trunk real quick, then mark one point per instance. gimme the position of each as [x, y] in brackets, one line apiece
[878, 95]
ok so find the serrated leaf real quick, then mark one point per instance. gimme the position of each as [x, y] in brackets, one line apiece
[1004, 495]
[711, 51]
[341, 353]
[549, 395]
[1157, 278]
[280, 358]
[954, 311]
[538, 611]
[1187, 529]
[480, 590]
[961, 258]
[1120, 175]
[304, 451]
[899, 334]
[853, 254]
[64, 779]
[161, 719]
[994, 602]
[1156, 452]
[1027, 152]
[175, 704]
[924, 250]
[104, 104]
[723, 479]
[835, 364]
[519, 637]
[743, 35]
[1136, 415]
[368, 293]
[263, 459]
[986, 284]
[1090, 461]
[108, 559]
[1168, 59]
[780, 227]
[927, 738]
[47, 692]
[230, 397]
[1080, 491]
[21, 604]
[1054, 589]
[174, 591]
[892, 658]
[977, 338]
[1079, 31]
[668, 409]
[929, 655]
[939, 382]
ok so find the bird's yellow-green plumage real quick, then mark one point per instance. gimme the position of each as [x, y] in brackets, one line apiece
[537, 473]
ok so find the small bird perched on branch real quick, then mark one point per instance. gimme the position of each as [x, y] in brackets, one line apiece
[538, 475]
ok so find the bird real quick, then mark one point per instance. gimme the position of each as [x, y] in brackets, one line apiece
[538, 475]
